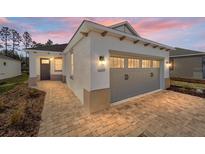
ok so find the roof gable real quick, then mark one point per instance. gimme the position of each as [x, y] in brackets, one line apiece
[125, 27]
[87, 26]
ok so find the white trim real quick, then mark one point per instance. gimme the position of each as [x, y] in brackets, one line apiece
[104, 28]
[127, 24]
[197, 54]
[134, 97]
[45, 51]
[90, 26]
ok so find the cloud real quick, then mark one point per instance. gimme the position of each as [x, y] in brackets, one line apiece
[151, 26]
[172, 31]
[55, 36]
[4, 20]
[107, 21]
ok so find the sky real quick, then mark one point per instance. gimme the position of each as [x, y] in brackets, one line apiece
[177, 32]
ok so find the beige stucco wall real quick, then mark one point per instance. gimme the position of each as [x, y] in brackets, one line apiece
[100, 46]
[34, 62]
[187, 67]
[86, 58]
[81, 78]
[12, 68]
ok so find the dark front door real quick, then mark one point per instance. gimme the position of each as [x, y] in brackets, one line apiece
[45, 68]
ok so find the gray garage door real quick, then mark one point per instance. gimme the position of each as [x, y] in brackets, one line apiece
[127, 82]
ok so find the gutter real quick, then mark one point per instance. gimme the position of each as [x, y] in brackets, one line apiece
[188, 55]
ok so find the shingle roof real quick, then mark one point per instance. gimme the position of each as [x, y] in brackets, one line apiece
[56, 48]
[184, 52]
[8, 58]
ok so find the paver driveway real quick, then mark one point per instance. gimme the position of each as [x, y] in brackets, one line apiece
[164, 113]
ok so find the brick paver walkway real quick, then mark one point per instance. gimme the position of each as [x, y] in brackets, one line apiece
[165, 113]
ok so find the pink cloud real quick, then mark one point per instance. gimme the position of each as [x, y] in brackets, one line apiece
[55, 36]
[109, 21]
[149, 26]
[4, 20]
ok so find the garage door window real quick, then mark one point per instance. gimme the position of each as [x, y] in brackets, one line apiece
[133, 63]
[155, 64]
[116, 62]
[146, 63]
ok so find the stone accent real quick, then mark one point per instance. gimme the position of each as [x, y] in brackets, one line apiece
[32, 81]
[38, 77]
[56, 77]
[167, 83]
[96, 100]
[63, 78]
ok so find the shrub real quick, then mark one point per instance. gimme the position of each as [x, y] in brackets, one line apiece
[17, 116]
[33, 93]
[3, 82]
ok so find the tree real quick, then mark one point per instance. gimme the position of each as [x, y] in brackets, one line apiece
[27, 40]
[15, 38]
[5, 37]
[49, 43]
[35, 44]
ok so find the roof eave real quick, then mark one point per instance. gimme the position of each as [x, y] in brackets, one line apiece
[104, 28]
[188, 55]
[43, 51]
[94, 25]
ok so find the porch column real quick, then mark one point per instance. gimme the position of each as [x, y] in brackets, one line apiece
[32, 70]
[64, 69]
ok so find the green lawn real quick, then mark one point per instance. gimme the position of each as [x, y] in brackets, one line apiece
[188, 84]
[8, 84]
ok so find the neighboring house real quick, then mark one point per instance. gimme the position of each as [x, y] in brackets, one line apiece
[9, 67]
[102, 65]
[187, 64]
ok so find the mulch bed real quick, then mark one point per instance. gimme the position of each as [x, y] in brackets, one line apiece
[20, 111]
[188, 80]
[190, 91]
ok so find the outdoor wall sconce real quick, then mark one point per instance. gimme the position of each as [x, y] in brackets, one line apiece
[168, 64]
[102, 60]
[101, 64]
[51, 59]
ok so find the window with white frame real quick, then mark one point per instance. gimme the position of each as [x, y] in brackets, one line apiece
[72, 64]
[116, 62]
[133, 63]
[155, 64]
[58, 64]
[146, 63]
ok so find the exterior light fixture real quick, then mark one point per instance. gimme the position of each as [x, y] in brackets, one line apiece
[101, 64]
[51, 58]
[168, 64]
[101, 60]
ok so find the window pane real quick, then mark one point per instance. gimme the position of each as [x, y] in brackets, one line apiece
[44, 61]
[58, 63]
[72, 63]
[146, 63]
[133, 63]
[155, 64]
[116, 62]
